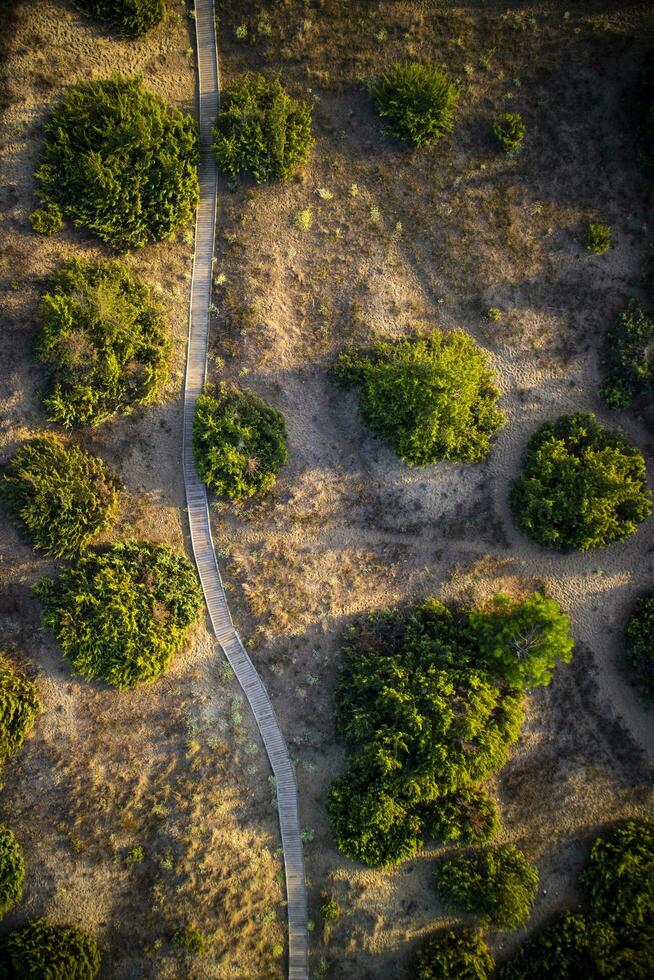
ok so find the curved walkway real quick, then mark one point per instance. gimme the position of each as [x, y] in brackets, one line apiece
[198, 507]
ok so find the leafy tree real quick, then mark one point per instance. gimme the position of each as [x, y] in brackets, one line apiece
[122, 613]
[582, 486]
[509, 131]
[62, 495]
[416, 102]
[239, 442]
[619, 879]
[431, 397]
[48, 220]
[41, 951]
[19, 706]
[455, 954]
[639, 636]
[120, 162]
[571, 947]
[261, 130]
[104, 341]
[496, 883]
[628, 358]
[131, 17]
[12, 871]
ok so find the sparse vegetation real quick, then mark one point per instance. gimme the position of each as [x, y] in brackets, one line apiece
[455, 954]
[12, 871]
[628, 358]
[509, 131]
[19, 706]
[598, 238]
[42, 951]
[416, 102]
[639, 637]
[131, 17]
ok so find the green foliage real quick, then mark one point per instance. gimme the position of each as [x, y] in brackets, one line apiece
[431, 397]
[131, 17]
[330, 910]
[121, 614]
[494, 314]
[41, 951]
[261, 130]
[582, 486]
[509, 131]
[639, 637]
[12, 871]
[571, 947]
[239, 442]
[496, 883]
[19, 706]
[598, 238]
[456, 954]
[120, 162]
[104, 342]
[62, 495]
[465, 817]
[628, 358]
[619, 879]
[47, 220]
[191, 939]
[415, 101]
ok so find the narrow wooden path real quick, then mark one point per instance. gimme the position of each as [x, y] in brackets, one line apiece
[198, 507]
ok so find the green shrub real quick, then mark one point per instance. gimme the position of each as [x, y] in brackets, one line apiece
[639, 637]
[509, 131]
[628, 358]
[239, 442]
[261, 130]
[41, 951]
[12, 871]
[19, 706]
[47, 220]
[496, 883]
[122, 613]
[104, 342]
[571, 947]
[582, 486]
[465, 817]
[120, 162]
[598, 238]
[416, 102]
[131, 17]
[456, 954]
[619, 879]
[191, 939]
[62, 495]
[431, 397]
[329, 910]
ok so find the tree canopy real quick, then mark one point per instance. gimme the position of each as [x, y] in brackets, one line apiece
[415, 101]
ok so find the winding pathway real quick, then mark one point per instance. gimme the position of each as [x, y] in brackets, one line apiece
[198, 507]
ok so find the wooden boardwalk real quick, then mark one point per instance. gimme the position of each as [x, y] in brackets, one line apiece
[198, 508]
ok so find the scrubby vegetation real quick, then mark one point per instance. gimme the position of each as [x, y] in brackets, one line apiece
[131, 17]
[12, 871]
[19, 706]
[509, 131]
[62, 495]
[41, 951]
[457, 954]
[628, 358]
[598, 238]
[120, 162]
[572, 946]
[619, 879]
[639, 637]
[416, 102]
[104, 341]
[582, 486]
[121, 614]
[239, 442]
[261, 130]
[426, 714]
[48, 220]
[191, 939]
[498, 884]
[432, 397]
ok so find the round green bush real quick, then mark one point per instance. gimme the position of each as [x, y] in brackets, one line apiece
[239, 442]
[639, 641]
[465, 817]
[509, 131]
[131, 17]
[261, 130]
[571, 947]
[598, 238]
[47, 220]
[582, 486]
[62, 495]
[41, 951]
[120, 162]
[628, 358]
[122, 613]
[456, 954]
[619, 879]
[330, 910]
[19, 706]
[496, 883]
[104, 342]
[12, 871]
[431, 397]
[416, 102]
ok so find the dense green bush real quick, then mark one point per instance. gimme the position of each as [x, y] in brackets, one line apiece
[62, 495]
[598, 238]
[19, 706]
[571, 947]
[261, 130]
[122, 613]
[628, 358]
[104, 341]
[47, 220]
[416, 102]
[131, 17]
[239, 442]
[496, 883]
[120, 162]
[12, 871]
[329, 910]
[619, 879]
[467, 816]
[431, 397]
[509, 131]
[582, 486]
[639, 637]
[41, 951]
[456, 954]
[191, 939]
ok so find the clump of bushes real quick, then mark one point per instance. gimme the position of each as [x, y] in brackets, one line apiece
[239, 442]
[465, 817]
[261, 130]
[41, 951]
[416, 102]
[19, 706]
[120, 162]
[48, 220]
[12, 871]
[509, 131]
[582, 486]
[571, 946]
[498, 884]
[628, 358]
[619, 879]
[455, 954]
[431, 397]
[598, 238]
[639, 637]
[131, 17]
[104, 341]
[121, 614]
[62, 495]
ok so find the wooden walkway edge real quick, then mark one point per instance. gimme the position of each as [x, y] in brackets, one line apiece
[198, 507]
